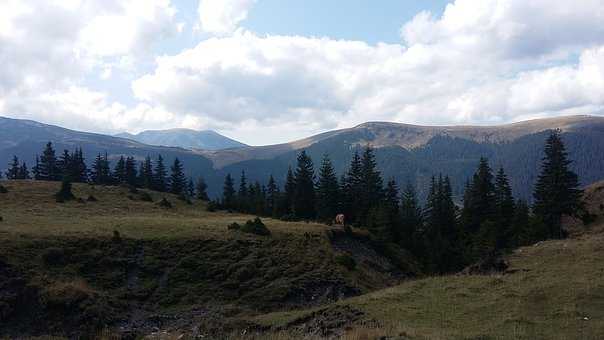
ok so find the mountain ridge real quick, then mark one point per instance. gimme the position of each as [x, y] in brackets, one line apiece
[185, 138]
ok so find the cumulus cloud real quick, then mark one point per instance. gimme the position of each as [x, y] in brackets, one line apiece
[490, 61]
[222, 17]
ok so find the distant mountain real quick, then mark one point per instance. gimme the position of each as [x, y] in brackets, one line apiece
[407, 153]
[185, 138]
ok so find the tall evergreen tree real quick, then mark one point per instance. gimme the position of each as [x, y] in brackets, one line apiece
[119, 172]
[47, 168]
[13, 169]
[190, 189]
[242, 194]
[327, 191]
[78, 169]
[228, 192]
[178, 181]
[304, 195]
[411, 220]
[557, 190]
[146, 173]
[100, 173]
[272, 196]
[201, 188]
[372, 191]
[36, 169]
[160, 175]
[290, 191]
[130, 171]
[479, 203]
[64, 164]
[352, 189]
[504, 209]
[23, 171]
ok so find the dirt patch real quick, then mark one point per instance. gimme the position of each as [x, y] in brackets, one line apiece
[325, 323]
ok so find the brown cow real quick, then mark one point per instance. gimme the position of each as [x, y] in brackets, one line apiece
[340, 220]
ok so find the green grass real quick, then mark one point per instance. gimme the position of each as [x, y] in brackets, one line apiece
[555, 290]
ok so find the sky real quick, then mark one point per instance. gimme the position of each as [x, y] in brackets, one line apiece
[271, 71]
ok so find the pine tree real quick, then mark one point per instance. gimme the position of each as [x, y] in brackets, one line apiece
[228, 192]
[327, 191]
[77, 168]
[64, 164]
[119, 172]
[13, 169]
[272, 196]
[191, 189]
[36, 169]
[160, 175]
[481, 198]
[411, 220]
[557, 190]
[130, 172]
[23, 172]
[242, 194]
[100, 173]
[48, 170]
[201, 187]
[504, 209]
[372, 192]
[520, 232]
[146, 173]
[178, 181]
[290, 191]
[304, 195]
[392, 230]
[352, 189]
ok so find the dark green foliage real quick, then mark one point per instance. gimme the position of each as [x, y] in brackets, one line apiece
[201, 190]
[272, 197]
[372, 191]
[65, 193]
[117, 237]
[178, 181]
[213, 206]
[346, 261]
[100, 173]
[164, 203]
[504, 210]
[160, 174]
[13, 169]
[190, 189]
[327, 192]
[304, 195]
[47, 168]
[91, 198]
[411, 220]
[23, 172]
[228, 193]
[255, 227]
[557, 190]
[130, 172]
[242, 194]
[145, 197]
[289, 193]
[352, 187]
[146, 173]
[3, 189]
[119, 172]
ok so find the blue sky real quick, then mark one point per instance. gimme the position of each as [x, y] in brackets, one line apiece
[270, 71]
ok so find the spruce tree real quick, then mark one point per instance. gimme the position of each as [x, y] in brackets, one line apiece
[100, 170]
[520, 231]
[119, 172]
[328, 191]
[372, 192]
[23, 171]
[36, 169]
[557, 190]
[48, 170]
[272, 196]
[146, 173]
[242, 194]
[160, 175]
[411, 220]
[304, 195]
[178, 181]
[190, 188]
[289, 192]
[79, 169]
[352, 189]
[201, 187]
[228, 192]
[130, 172]
[13, 169]
[64, 164]
[504, 209]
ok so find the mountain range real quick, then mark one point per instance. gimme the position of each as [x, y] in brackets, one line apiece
[407, 153]
[185, 138]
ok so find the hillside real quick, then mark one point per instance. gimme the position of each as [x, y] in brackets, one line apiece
[124, 263]
[185, 138]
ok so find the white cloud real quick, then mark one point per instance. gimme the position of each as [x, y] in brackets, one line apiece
[481, 62]
[222, 17]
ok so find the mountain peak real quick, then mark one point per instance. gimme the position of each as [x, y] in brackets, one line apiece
[184, 138]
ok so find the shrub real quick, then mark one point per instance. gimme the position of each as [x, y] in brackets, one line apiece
[65, 193]
[164, 203]
[132, 189]
[234, 226]
[3, 190]
[255, 227]
[346, 261]
[53, 256]
[1, 219]
[117, 238]
[212, 206]
[91, 198]
[145, 196]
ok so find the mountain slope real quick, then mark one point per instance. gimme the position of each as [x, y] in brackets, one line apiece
[185, 138]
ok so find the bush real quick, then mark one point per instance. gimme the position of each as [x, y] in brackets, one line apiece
[212, 206]
[3, 190]
[346, 261]
[117, 238]
[91, 198]
[164, 203]
[251, 227]
[53, 256]
[65, 193]
[145, 196]
[132, 189]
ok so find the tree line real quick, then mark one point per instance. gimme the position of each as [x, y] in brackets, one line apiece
[71, 167]
[444, 235]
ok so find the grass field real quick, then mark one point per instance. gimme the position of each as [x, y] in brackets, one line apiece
[184, 259]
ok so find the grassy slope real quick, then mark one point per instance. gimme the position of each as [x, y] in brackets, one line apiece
[63, 264]
[552, 290]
